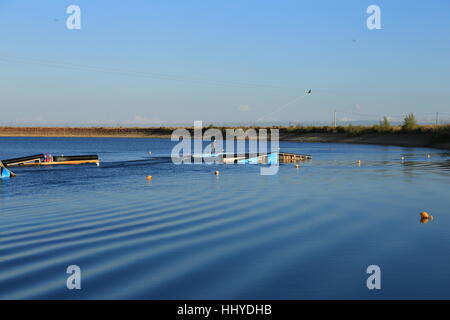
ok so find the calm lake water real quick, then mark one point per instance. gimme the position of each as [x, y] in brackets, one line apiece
[304, 233]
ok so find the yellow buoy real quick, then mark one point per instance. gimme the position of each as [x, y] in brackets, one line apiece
[402, 158]
[429, 156]
[216, 172]
[149, 178]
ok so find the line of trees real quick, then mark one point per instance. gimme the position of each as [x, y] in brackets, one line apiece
[409, 123]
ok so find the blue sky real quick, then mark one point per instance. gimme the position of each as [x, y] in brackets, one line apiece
[170, 61]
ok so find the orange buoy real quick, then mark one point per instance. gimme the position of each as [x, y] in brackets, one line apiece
[424, 215]
[297, 166]
[149, 178]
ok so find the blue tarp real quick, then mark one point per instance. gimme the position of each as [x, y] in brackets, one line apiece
[272, 158]
[5, 173]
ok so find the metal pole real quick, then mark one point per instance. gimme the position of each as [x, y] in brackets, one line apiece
[334, 119]
[437, 118]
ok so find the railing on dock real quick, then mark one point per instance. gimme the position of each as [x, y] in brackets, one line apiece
[292, 157]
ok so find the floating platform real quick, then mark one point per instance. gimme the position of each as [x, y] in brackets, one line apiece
[269, 158]
[48, 160]
[16, 161]
[246, 158]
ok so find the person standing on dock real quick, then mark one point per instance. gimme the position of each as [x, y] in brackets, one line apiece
[213, 146]
[48, 158]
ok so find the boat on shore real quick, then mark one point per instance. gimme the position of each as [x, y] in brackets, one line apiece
[50, 160]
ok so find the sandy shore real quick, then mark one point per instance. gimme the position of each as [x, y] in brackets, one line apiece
[395, 139]
[93, 132]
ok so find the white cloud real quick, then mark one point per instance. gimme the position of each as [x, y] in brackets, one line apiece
[138, 119]
[244, 108]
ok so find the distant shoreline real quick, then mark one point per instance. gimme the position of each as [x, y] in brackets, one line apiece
[419, 138]
[400, 139]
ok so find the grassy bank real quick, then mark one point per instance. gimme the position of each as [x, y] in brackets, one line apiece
[440, 133]
[420, 136]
